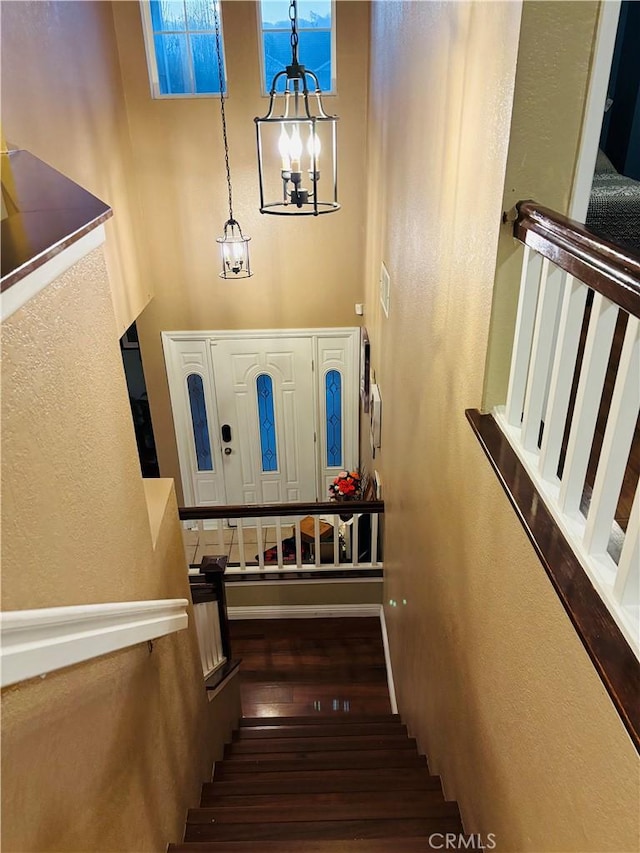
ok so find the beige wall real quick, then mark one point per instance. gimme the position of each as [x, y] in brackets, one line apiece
[105, 755]
[554, 59]
[62, 99]
[490, 675]
[308, 271]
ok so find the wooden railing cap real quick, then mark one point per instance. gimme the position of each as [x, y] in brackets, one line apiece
[612, 270]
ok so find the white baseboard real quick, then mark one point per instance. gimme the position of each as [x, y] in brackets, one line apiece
[303, 611]
[387, 660]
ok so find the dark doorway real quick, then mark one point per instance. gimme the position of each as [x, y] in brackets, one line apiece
[140, 412]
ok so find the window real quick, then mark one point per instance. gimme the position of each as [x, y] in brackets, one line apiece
[180, 39]
[267, 422]
[199, 422]
[316, 49]
[333, 412]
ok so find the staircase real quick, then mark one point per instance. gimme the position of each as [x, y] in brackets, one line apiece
[314, 784]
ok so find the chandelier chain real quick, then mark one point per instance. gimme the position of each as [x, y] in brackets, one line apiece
[222, 112]
[293, 17]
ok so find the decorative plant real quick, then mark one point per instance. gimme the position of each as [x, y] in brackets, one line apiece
[347, 486]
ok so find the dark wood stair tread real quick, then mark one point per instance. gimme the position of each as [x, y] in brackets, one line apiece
[332, 729]
[318, 781]
[319, 719]
[425, 798]
[369, 845]
[255, 746]
[337, 806]
[311, 830]
[279, 762]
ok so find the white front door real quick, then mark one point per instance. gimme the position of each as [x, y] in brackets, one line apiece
[263, 416]
[265, 401]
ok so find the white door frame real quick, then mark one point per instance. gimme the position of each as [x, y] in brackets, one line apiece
[605, 40]
[323, 359]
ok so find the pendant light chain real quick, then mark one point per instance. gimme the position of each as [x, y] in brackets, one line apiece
[293, 17]
[222, 113]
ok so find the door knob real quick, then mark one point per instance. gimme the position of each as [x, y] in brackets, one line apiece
[227, 451]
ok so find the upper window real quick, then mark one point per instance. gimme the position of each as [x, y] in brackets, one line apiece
[180, 39]
[316, 48]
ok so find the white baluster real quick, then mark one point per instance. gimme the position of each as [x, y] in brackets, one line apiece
[298, 543]
[279, 542]
[374, 538]
[356, 533]
[592, 374]
[551, 281]
[626, 589]
[336, 540]
[241, 552]
[260, 543]
[616, 444]
[528, 299]
[564, 363]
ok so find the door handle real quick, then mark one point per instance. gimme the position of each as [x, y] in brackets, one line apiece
[227, 451]
[226, 433]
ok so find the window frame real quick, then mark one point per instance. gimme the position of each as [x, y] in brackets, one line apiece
[152, 59]
[264, 83]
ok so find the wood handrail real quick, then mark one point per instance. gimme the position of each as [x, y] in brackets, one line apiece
[611, 270]
[194, 513]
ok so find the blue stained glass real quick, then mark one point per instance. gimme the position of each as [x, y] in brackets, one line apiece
[266, 419]
[333, 387]
[199, 422]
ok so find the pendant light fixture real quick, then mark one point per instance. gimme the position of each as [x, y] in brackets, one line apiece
[234, 246]
[291, 137]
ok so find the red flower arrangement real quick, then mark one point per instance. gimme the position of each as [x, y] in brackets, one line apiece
[346, 486]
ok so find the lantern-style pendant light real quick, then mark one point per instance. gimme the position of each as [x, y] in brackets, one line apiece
[291, 139]
[234, 246]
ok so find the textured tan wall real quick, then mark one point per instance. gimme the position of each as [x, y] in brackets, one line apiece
[62, 99]
[554, 60]
[308, 271]
[490, 675]
[105, 755]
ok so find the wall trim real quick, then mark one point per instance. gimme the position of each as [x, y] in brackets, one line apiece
[32, 283]
[303, 611]
[35, 642]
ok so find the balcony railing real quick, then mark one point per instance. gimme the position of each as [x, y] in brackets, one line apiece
[292, 538]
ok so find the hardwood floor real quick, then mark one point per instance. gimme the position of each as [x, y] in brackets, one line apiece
[307, 667]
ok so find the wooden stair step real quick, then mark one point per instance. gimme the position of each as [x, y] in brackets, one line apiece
[318, 781]
[349, 759]
[369, 845]
[319, 719]
[336, 806]
[311, 830]
[354, 741]
[327, 730]
[425, 798]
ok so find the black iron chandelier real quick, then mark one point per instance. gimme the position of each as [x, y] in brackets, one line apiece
[234, 246]
[291, 186]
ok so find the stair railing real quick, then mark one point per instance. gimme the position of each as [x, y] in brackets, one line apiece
[566, 444]
[556, 388]
[208, 594]
[282, 538]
